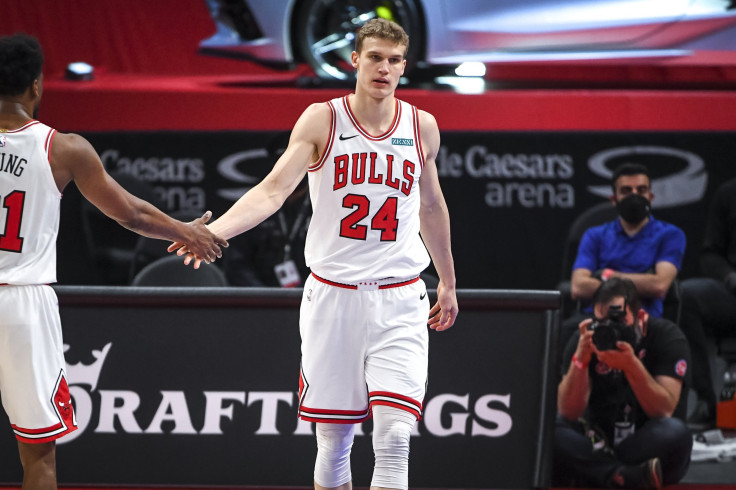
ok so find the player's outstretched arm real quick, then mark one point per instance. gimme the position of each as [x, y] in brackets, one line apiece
[307, 139]
[73, 158]
[435, 227]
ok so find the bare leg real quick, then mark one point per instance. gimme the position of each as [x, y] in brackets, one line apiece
[39, 465]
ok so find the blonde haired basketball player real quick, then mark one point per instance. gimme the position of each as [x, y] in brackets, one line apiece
[36, 164]
[373, 184]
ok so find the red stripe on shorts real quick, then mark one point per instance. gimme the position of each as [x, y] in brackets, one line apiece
[53, 433]
[397, 401]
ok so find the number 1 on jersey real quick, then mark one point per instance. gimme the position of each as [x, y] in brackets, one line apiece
[10, 239]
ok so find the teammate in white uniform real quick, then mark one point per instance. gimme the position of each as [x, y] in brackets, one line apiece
[374, 187]
[36, 163]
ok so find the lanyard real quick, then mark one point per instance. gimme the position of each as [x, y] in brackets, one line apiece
[290, 235]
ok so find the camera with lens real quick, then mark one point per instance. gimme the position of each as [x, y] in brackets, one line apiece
[611, 329]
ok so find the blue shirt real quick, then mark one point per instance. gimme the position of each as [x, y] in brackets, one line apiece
[609, 247]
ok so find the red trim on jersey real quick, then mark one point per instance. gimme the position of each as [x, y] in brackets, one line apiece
[49, 140]
[417, 136]
[27, 125]
[392, 128]
[330, 140]
[355, 286]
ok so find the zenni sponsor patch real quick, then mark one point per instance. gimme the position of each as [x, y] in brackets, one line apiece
[402, 141]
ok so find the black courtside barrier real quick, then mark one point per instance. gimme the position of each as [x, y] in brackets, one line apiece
[198, 386]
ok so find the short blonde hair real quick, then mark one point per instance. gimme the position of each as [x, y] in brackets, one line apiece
[382, 29]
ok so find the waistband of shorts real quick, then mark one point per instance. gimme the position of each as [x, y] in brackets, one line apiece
[387, 283]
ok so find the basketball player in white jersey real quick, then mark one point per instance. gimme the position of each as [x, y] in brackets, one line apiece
[36, 164]
[373, 183]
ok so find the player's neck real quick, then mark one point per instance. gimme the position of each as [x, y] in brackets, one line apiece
[13, 114]
[374, 114]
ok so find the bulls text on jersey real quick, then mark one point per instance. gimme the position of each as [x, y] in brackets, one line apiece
[355, 168]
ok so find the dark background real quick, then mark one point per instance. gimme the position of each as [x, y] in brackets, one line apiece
[517, 243]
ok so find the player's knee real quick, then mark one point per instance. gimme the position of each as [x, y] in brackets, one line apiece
[392, 429]
[334, 442]
[41, 454]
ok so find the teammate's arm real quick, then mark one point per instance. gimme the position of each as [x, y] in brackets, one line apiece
[307, 139]
[435, 227]
[73, 158]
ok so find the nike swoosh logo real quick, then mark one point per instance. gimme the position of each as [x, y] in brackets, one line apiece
[421, 296]
[343, 138]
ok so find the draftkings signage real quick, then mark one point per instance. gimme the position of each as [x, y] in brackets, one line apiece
[199, 387]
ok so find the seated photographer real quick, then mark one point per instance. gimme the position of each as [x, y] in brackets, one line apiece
[622, 399]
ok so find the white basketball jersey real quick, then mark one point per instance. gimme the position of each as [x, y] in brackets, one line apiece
[29, 206]
[365, 196]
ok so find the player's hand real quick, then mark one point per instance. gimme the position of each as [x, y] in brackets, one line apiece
[188, 256]
[442, 315]
[202, 246]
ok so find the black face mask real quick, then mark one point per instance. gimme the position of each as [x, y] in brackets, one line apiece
[633, 208]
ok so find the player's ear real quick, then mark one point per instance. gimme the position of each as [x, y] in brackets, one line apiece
[35, 88]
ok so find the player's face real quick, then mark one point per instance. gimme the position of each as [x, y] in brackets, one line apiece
[380, 65]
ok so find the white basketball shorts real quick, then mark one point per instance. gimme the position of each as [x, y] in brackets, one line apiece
[362, 345]
[33, 384]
